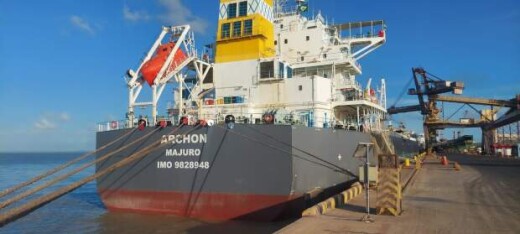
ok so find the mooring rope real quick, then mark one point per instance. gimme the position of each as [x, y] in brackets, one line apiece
[32, 205]
[65, 176]
[26, 208]
[61, 167]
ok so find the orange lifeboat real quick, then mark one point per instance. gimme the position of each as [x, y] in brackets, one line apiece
[152, 67]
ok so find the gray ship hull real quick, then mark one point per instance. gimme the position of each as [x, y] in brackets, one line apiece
[405, 147]
[259, 172]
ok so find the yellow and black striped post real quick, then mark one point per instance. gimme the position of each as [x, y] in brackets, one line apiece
[389, 187]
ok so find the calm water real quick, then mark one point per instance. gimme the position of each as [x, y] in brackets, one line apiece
[83, 212]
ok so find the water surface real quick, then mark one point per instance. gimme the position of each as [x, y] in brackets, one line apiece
[82, 211]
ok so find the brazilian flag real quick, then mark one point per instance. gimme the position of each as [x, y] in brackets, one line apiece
[303, 7]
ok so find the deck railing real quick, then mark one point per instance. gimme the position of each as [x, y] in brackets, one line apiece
[241, 118]
[362, 29]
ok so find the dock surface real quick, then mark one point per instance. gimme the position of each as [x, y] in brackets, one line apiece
[483, 197]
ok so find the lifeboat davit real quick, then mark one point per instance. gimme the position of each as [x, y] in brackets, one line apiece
[152, 67]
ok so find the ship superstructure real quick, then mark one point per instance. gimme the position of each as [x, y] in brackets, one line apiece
[271, 63]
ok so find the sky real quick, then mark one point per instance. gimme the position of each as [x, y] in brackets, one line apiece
[62, 62]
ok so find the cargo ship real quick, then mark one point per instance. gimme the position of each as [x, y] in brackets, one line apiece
[261, 120]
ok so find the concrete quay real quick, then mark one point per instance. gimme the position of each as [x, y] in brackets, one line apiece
[483, 197]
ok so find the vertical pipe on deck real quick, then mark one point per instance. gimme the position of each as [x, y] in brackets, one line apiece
[180, 101]
[154, 104]
[357, 112]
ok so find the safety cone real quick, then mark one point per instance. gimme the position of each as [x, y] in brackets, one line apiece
[444, 161]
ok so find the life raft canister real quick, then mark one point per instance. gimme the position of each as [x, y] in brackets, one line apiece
[268, 118]
[141, 124]
[162, 123]
[113, 125]
[184, 120]
[201, 123]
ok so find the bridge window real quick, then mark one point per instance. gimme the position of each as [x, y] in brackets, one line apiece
[232, 10]
[242, 8]
[281, 69]
[307, 38]
[285, 41]
[267, 69]
[237, 28]
[248, 27]
[225, 30]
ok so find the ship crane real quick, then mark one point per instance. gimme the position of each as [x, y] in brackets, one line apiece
[167, 61]
[428, 89]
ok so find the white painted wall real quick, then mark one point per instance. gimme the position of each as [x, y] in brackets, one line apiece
[269, 93]
[321, 87]
[295, 30]
[235, 78]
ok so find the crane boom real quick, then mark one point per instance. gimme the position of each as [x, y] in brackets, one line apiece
[477, 101]
[431, 86]
[403, 109]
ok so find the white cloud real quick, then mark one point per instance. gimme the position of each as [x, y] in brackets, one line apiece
[82, 24]
[44, 123]
[51, 120]
[134, 15]
[64, 116]
[178, 14]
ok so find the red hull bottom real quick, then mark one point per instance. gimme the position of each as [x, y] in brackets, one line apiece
[205, 206]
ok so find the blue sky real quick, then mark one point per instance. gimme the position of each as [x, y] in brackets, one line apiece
[62, 62]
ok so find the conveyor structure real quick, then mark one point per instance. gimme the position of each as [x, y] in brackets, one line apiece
[428, 89]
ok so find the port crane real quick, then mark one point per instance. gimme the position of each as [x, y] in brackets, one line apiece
[428, 89]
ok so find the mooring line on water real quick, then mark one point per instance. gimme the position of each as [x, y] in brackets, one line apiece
[25, 209]
[65, 176]
[61, 167]
[330, 165]
[18, 212]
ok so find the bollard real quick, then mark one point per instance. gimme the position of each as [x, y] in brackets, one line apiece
[407, 162]
[456, 166]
